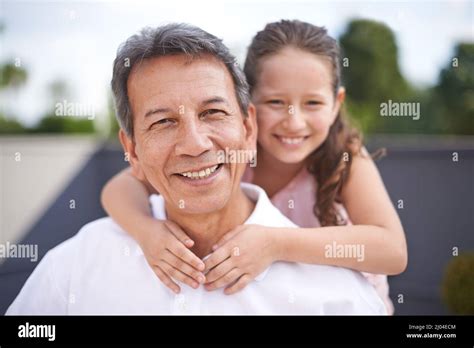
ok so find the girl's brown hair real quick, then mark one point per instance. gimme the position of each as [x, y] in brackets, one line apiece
[330, 163]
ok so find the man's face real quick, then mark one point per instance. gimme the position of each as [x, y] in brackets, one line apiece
[184, 112]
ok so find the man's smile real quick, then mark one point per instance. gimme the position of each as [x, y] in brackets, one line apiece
[200, 173]
[203, 176]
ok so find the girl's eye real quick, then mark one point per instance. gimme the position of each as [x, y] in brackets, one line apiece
[314, 102]
[275, 102]
[213, 112]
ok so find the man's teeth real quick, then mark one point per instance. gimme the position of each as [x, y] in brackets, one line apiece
[201, 174]
[292, 140]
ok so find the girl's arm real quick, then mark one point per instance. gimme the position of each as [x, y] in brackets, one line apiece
[374, 244]
[376, 235]
[164, 244]
[125, 199]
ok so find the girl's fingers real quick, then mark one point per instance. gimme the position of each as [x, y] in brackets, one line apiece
[180, 251]
[165, 279]
[228, 236]
[216, 258]
[179, 233]
[178, 275]
[241, 283]
[179, 264]
[220, 270]
[226, 279]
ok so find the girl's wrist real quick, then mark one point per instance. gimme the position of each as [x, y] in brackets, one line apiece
[277, 237]
[142, 228]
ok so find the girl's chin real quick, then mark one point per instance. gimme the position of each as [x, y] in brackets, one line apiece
[290, 158]
[284, 154]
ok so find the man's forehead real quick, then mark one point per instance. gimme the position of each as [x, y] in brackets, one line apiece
[167, 69]
[177, 77]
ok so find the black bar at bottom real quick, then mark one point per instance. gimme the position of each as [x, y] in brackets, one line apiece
[135, 330]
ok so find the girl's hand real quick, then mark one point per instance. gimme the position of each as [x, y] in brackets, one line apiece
[240, 256]
[166, 248]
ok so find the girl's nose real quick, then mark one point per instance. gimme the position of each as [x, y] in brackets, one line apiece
[295, 120]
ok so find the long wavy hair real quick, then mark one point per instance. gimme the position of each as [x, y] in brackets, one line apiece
[330, 163]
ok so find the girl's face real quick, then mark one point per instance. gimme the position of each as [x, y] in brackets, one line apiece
[295, 103]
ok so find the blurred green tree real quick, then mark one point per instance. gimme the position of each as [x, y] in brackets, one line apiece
[11, 77]
[372, 72]
[453, 97]
[458, 284]
[10, 126]
[52, 123]
[372, 76]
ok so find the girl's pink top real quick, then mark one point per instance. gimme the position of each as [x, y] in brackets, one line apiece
[296, 201]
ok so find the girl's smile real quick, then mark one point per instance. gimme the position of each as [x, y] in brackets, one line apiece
[291, 142]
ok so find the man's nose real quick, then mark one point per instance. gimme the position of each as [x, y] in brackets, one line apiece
[193, 139]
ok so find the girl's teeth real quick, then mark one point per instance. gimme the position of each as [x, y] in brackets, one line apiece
[292, 140]
[201, 174]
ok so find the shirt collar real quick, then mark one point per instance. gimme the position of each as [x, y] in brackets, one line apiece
[254, 192]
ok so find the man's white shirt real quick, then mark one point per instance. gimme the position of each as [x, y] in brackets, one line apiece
[102, 270]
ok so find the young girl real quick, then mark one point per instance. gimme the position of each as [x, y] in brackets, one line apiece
[312, 166]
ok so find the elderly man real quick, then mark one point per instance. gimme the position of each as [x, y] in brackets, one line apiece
[180, 100]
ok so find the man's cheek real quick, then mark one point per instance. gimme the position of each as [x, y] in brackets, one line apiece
[231, 136]
[151, 165]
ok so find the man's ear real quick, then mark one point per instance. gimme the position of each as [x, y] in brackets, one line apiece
[251, 129]
[129, 148]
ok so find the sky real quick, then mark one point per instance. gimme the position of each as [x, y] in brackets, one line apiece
[76, 41]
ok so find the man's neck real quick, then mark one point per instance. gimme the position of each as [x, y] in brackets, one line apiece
[206, 229]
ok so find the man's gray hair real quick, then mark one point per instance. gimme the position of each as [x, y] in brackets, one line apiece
[170, 39]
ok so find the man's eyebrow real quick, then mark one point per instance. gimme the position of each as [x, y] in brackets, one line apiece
[214, 100]
[157, 111]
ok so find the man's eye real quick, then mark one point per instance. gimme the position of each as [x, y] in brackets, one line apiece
[213, 112]
[163, 121]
